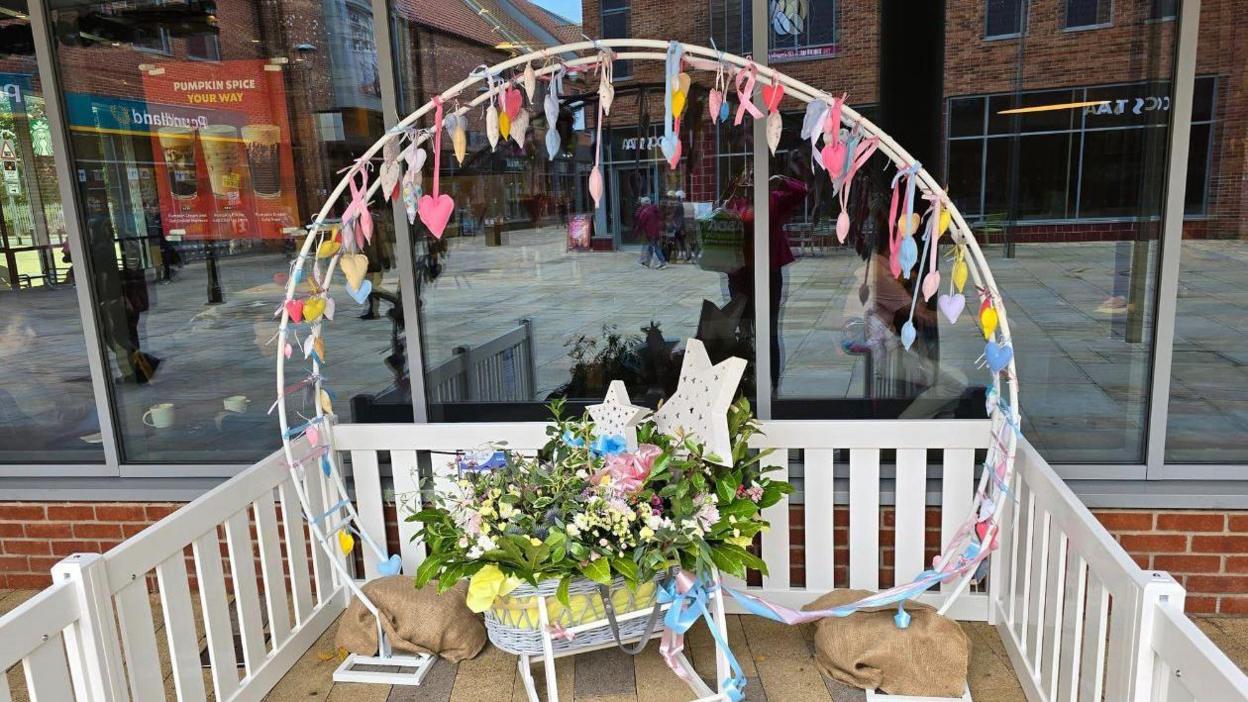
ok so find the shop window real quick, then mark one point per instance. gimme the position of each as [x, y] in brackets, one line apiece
[1088, 13]
[1163, 9]
[797, 29]
[1004, 18]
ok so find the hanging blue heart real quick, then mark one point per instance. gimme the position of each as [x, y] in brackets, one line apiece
[908, 256]
[998, 355]
[723, 110]
[390, 566]
[298, 275]
[361, 294]
[667, 144]
[907, 334]
[325, 467]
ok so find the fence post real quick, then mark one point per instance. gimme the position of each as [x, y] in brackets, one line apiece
[93, 650]
[472, 389]
[1161, 591]
[529, 372]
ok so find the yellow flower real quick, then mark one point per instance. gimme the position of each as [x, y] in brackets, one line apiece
[487, 585]
[535, 541]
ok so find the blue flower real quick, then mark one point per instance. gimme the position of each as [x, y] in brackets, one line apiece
[572, 440]
[609, 445]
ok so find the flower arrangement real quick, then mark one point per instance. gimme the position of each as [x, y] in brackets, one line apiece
[588, 507]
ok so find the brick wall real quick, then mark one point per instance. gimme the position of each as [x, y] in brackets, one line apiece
[1206, 551]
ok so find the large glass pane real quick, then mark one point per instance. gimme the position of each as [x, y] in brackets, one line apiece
[534, 292]
[1208, 417]
[1059, 170]
[47, 410]
[204, 137]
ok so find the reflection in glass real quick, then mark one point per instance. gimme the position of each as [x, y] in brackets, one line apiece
[47, 409]
[203, 140]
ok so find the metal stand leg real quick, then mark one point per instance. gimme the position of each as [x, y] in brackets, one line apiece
[721, 624]
[548, 653]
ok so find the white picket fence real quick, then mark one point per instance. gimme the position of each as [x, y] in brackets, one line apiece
[1079, 619]
[502, 369]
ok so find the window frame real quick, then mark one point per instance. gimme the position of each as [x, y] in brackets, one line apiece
[1024, 9]
[621, 69]
[1109, 22]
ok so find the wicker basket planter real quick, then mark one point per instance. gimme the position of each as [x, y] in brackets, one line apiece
[514, 622]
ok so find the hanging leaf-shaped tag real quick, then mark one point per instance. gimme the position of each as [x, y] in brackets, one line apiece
[459, 141]
[714, 100]
[988, 321]
[529, 81]
[773, 131]
[551, 107]
[552, 143]
[931, 284]
[391, 168]
[959, 274]
[491, 125]
[520, 127]
[606, 94]
[346, 541]
[504, 125]
[595, 185]
[678, 103]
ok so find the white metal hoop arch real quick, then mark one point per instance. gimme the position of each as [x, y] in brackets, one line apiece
[1005, 423]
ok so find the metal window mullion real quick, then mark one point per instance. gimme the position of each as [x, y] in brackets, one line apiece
[403, 241]
[1172, 234]
[762, 222]
[52, 98]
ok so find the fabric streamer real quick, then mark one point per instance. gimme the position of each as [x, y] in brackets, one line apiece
[744, 81]
[595, 174]
[862, 153]
[669, 144]
[357, 221]
[688, 597]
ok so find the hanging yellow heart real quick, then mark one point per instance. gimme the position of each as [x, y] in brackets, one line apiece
[678, 103]
[945, 219]
[988, 321]
[346, 541]
[328, 248]
[959, 272]
[504, 124]
[459, 139]
[313, 308]
[327, 405]
[354, 266]
[319, 344]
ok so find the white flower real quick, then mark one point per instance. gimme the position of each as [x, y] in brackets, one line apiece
[646, 533]
[506, 511]
[573, 531]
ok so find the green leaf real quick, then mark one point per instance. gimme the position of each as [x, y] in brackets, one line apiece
[598, 570]
[626, 568]
[741, 509]
[727, 560]
[562, 593]
[427, 569]
[746, 558]
[773, 492]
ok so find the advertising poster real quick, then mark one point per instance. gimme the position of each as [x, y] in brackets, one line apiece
[222, 149]
[580, 229]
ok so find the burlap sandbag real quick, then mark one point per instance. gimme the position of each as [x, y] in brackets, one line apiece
[415, 621]
[867, 650]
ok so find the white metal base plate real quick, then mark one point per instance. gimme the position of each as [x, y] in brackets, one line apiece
[363, 669]
[873, 696]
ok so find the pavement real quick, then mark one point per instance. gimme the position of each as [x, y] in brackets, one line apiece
[1083, 374]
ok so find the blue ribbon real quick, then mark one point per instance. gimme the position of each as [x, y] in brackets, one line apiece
[685, 611]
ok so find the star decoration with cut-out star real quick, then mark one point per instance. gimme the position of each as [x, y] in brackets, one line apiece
[700, 404]
[617, 416]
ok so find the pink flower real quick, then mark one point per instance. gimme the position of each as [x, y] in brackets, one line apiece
[627, 472]
[755, 493]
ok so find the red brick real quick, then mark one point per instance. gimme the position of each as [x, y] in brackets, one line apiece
[120, 513]
[128, 530]
[35, 548]
[157, 512]
[71, 513]
[97, 531]
[10, 529]
[1233, 605]
[1238, 522]
[13, 564]
[1125, 520]
[1186, 563]
[1200, 521]
[18, 511]
[48, 530]
[1153, 543]
[1200, 605]
[64, 548]
[1217, 583]
[42, 564]
[32, 581]
[1220, 544]
[1237, 564]
[1141, 560]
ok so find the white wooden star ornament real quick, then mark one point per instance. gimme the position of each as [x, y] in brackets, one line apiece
[617, 416]
[700, 404]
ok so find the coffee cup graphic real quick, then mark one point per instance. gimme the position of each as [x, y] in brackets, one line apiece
[262, 143]
[177, 145]
[224, 160]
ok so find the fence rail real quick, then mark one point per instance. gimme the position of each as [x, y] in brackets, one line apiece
[500, 370]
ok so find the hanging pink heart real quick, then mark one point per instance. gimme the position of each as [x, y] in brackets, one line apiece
[294, 308]
[714, 99]
[842, 226]
[435, 212]
[313, 435]
[772, 94]
[595, 184]
[675, 159]
[288, 350]
[931, 283]
[512, 102]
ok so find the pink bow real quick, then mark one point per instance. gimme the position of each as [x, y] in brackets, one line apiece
[357, 217]
[628, 471]
[748, 76]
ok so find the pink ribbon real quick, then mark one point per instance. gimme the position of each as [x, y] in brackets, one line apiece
[357, 212]
[628, 471]
[865, 149]
[746, 75]
[437, 142]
